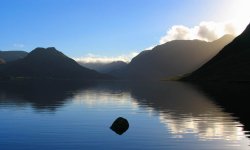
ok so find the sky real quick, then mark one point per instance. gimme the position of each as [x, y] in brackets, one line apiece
[115, 29]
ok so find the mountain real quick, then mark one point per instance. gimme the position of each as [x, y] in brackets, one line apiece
[232, 63]
[104, 67]
[48, 63]
[8, 56]
[173, 58]
[2, 61]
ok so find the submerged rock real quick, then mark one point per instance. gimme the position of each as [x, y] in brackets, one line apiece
[120, 125]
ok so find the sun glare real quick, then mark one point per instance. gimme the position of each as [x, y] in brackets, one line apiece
[240, 13]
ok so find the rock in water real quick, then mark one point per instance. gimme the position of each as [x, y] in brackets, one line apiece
[120, 125]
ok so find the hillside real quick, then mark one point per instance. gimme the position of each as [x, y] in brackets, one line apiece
[231, 64]
[48, 63]
[173, 58]
[8, 56]
[104, 67]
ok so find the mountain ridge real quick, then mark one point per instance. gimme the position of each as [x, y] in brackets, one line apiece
[230, 64]
[104, 67]
[171, 59]
[48, 63]
[8, 56]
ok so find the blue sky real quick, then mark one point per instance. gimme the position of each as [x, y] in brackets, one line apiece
[100, 27]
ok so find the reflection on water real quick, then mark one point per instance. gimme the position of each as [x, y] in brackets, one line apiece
[93, 98]
[40, 94]
[233, 97]
[168, 115]
[189, 111]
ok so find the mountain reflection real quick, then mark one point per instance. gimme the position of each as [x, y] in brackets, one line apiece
[233, 97]
[182, 108]
[41, 95]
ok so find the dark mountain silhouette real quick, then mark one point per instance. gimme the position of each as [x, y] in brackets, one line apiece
[232, 63]
[48, 63]
[8, 56]
[171, 59]
[104, 67]
[2, 61]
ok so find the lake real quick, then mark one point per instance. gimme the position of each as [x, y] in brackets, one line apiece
[75, 116]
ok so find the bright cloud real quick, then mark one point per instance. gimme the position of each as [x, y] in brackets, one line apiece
[92, 58]
[207, 31]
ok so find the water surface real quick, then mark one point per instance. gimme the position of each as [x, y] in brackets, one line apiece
[162, 115]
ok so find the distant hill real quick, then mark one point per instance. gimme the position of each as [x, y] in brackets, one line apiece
[173, 58]
[8, 56]
[104, 67]
[48, 63]
[232, 63]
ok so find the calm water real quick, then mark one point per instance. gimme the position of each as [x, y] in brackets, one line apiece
[167, 115]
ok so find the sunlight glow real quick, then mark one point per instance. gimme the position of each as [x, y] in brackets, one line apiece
[240, 13]
[92, 58]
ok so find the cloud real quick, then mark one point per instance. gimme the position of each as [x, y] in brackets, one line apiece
[92, 58]
[150, 47]
[18, 45]
[207, 31]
